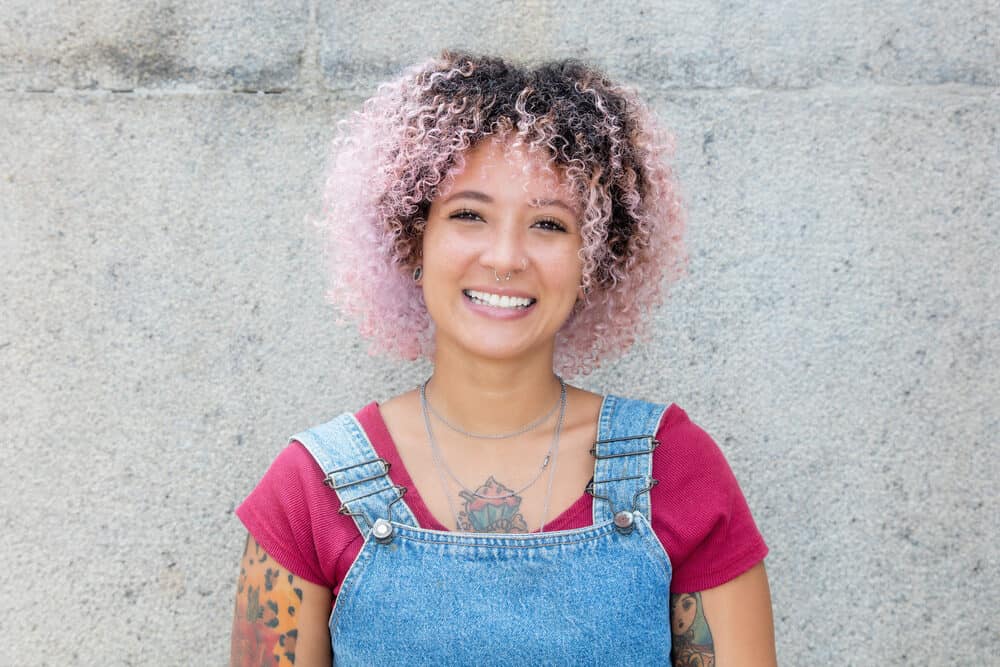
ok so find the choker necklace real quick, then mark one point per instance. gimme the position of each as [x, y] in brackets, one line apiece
[441, 464]
[493, 436]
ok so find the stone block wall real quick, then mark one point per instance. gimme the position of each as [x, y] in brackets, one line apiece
[164, 329]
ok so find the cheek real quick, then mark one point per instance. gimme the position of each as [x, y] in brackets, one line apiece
[564, 268]
[447, 248]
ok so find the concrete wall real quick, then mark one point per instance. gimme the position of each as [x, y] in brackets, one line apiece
[163, 329]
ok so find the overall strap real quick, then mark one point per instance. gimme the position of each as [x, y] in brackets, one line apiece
[358, 475]
[623, 466]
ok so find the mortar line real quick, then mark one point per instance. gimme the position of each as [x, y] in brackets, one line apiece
[315, 88]
[312, 79]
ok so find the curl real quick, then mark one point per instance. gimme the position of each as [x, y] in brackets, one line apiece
[389, 160]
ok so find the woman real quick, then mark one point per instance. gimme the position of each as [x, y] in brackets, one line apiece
[514, 225]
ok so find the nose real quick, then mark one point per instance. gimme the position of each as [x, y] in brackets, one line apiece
[505, 250]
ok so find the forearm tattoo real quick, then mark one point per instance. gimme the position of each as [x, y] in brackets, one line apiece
[690, 636]
[264, 627]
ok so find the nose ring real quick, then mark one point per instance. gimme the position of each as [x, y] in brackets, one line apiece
[497, 276]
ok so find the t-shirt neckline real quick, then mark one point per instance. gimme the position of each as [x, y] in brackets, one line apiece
[370, 418]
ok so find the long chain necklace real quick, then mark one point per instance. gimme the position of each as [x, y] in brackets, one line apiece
[550, 457]
[552, 472]
[495, 436]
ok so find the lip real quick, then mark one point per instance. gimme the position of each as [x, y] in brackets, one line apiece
[497, 313]
[500, 290]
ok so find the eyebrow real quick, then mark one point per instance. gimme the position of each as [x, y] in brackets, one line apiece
[470, 194]
[485, 198]
[542, 203]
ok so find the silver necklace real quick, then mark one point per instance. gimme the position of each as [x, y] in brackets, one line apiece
[551, 457]
[495, 436]
[552, 472]
[545, 462]
[438, 461]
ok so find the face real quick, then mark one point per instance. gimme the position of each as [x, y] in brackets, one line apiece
[684, 611]
[502, 216]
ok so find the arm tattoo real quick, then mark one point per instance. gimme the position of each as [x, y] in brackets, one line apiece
[691, 638]
[264, 627]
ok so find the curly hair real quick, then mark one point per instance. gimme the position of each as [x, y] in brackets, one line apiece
[390, 159]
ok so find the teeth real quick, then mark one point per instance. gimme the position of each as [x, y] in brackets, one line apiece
[498, 301]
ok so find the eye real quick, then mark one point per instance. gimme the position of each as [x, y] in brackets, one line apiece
[465, 214]
[551, 224]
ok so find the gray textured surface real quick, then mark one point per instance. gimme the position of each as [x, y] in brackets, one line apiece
[102, 44]
[164, 328]
[688, 43]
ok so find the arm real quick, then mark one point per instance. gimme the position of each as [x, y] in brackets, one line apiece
[278, 615]
[727, 625]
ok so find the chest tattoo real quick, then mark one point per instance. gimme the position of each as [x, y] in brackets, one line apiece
[492, 508]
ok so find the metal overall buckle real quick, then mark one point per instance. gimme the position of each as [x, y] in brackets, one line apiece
[624, 520]
[382, 529]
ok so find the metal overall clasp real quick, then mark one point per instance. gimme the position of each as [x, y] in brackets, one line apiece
[382, 529]
[624, 520]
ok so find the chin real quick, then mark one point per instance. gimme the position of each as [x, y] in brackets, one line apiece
[494, 347]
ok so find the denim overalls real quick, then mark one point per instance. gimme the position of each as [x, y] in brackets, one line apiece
[597, 595]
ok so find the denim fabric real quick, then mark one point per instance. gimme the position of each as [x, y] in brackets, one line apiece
[342, 450]
[595, 595]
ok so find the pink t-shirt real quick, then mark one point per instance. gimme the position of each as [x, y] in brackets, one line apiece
[698, 510]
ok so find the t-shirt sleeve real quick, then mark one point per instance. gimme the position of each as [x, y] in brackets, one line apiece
[286, 512]
[699, 512]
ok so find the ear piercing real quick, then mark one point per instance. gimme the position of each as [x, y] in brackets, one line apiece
[418, 273]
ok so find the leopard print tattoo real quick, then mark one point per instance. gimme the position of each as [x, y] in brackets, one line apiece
[264, 627]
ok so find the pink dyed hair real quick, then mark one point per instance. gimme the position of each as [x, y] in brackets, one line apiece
[390, 159]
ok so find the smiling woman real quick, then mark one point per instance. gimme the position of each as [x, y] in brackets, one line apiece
[515, 225]
[489, 221]
[410, 141]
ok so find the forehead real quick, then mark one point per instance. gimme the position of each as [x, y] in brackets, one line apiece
[513, 170]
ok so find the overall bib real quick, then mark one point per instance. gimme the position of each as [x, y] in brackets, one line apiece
[597, 595]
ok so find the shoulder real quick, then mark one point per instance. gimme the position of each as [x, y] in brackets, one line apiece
[293, 468]
[681, 440]
[668, 420]
[684, 440]
[292, 488]
[294, 515]
[699, 511]
[689, 461]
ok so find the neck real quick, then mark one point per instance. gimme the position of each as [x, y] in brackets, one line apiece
[487, 396]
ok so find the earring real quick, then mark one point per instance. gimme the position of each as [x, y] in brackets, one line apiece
[418, 273]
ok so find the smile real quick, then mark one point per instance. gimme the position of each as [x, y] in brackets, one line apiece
[498, 301]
